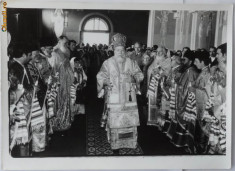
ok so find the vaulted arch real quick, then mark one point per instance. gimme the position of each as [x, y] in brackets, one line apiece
[96, 28]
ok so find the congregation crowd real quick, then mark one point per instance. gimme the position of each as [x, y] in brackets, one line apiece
[182, 92]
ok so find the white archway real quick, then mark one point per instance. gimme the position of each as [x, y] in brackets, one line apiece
[100, 34]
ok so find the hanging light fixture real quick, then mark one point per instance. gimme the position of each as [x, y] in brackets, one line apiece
[58, 20]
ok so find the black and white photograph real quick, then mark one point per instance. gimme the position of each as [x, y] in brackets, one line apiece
[111, 83]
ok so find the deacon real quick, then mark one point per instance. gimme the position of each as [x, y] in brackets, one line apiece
[217, 137]
[171, 85]
[183, 135]
[20, 100]
[202, 90]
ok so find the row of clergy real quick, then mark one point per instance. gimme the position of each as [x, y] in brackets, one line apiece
[43, 88]
[185, 97]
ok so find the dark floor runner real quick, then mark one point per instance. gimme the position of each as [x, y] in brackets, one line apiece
[97, 143]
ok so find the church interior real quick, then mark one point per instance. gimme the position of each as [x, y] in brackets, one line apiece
[172, 29]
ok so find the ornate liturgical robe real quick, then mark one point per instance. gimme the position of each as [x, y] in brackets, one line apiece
[121, 101]
[123, 82]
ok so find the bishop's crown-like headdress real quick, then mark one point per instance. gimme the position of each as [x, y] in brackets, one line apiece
[119, 40]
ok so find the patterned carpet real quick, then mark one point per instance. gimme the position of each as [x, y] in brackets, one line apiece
[97, 144]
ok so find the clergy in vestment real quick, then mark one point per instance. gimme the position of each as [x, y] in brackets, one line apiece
[202, 91]
[157, 96]
[217, 137]
[171, 85]
[20, 99]
[63, 118]
[183, 135]
[121, 75]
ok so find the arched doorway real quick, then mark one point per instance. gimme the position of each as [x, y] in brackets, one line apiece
[95, 29]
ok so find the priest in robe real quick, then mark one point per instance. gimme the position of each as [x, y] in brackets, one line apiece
[157, 95]
[118, 79]
[171, 86]
[62, 108]
[217, 137]
[183, 134]
[20, 99]
[202, 91]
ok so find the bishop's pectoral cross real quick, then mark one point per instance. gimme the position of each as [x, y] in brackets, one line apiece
[130, 98]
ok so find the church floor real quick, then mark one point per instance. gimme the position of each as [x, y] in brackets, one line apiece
[87, 138]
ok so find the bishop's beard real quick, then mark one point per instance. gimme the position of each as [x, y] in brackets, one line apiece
[120, 58]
